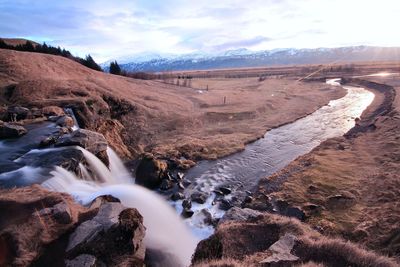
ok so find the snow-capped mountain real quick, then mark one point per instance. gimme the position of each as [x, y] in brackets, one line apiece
[239, 58]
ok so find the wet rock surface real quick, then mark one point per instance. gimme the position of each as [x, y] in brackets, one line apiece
[9, 130]
[151, 171]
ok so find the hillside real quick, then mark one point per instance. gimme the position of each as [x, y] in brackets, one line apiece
[174, 121]
[16, 41]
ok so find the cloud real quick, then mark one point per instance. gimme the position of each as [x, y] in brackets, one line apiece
[108, 29]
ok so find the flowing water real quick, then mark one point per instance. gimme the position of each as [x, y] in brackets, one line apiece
[166, 231]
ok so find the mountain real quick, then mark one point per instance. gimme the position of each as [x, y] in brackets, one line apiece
[240, 58]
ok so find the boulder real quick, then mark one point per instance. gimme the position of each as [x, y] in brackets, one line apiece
[31, 218]
[65, 121]
[114, 236]
[187, 204]
[187, 213]
[225, 190]
[283, 208]
[18, 113]
[9, 130]
[280, 252]
[239, 215]
[177, 196]
[150, 171]
[199, 197]
[91, 141]
[53, 111]
[68, 158]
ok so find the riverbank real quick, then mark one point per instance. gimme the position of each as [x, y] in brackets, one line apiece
[348, 186]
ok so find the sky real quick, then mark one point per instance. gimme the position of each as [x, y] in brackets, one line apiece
[109, 29]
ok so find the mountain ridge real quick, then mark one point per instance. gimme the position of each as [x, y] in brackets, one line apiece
[243, 57]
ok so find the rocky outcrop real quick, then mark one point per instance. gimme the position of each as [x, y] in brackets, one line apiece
[150, 171]
[9, 130]
[91, 141]
[272, 240]
[44, 228]
[114, 237]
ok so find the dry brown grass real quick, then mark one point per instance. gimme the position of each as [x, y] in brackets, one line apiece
[246, 244]
[158, 117]
[364, 170]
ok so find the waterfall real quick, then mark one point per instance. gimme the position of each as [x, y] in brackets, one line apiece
[70, 112]
[166, 232]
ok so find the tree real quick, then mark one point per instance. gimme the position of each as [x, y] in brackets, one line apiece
[115, 68]
[90, 63]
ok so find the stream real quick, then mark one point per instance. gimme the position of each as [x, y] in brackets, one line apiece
[239, 172]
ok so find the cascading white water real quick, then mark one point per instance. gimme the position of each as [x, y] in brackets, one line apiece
[165, 231]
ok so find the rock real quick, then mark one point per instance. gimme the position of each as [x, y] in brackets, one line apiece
[283, 208]
[114, 236]
[225, 204]
[65, 121]
[31, 219]
[218, 192]
[100, 200]
[8, 130]
[150, 172]
[48, 141]
[177, 196]
[60, 212]
[36, 113]
[238, 214]
[187, 213]
[68, 158]
[187, 204]
[53, 111]
[248, 199]
[281, 252]
[17, 113]
[91, 141]
[225, 190]
[208, 218]
[84, 260]
[166, 185]
[312, 209]
[199, 197]
[181, 186]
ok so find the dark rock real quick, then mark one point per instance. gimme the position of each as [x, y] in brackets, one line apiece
[48, 141]
[238, 214]
[312, 209]
[60, 212]
[53, 111]
[283, 208]
[225, 204]
[181, 186]
[150, 172]
[177, 196]
[68, 158]
[225, 190]
[65, 121]
[17, 113]
[8, 130]
[199, 197]
[91, 141]
[114, 236]
[166, 185]
[187, 213]
[248, 199]
[218, 192]
[84, 260]
[187, 204]
[208, 218]
[36, 113]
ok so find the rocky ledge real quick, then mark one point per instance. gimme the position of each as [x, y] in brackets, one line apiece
[43, 228]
